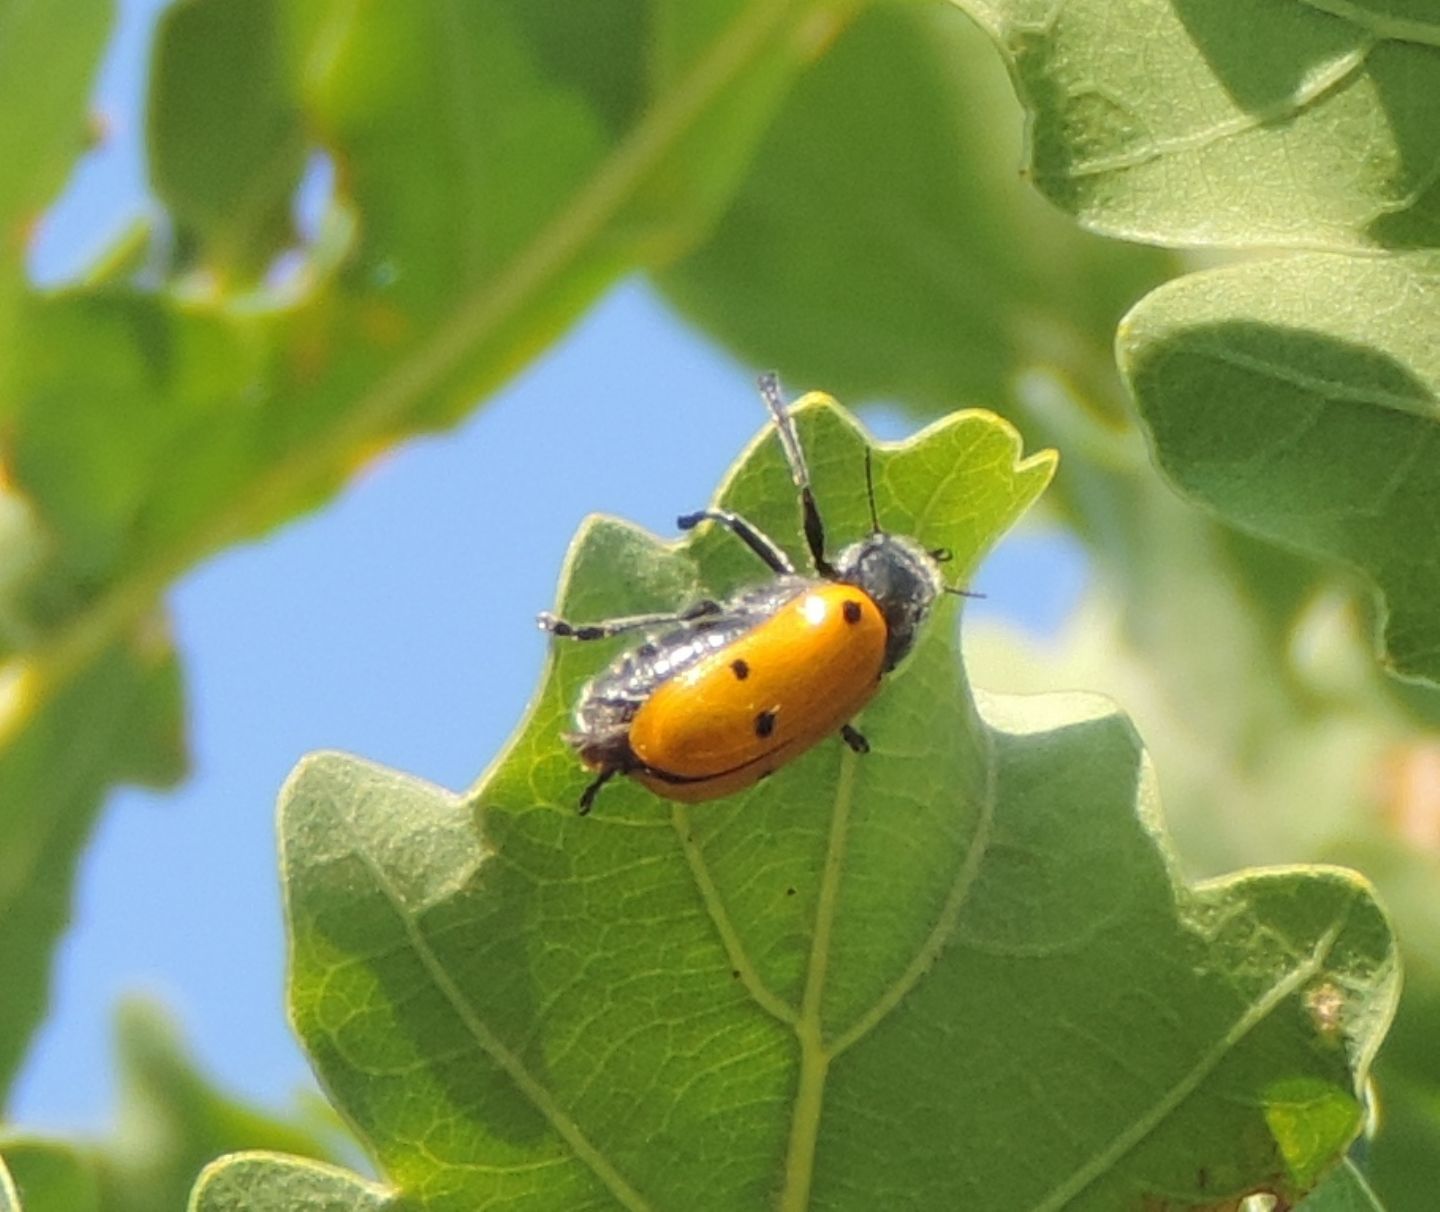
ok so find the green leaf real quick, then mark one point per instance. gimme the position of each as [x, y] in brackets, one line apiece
[950, 945]
[1297, 399]
[883, 244]
[53, 1176]
[127, 450]
[126, 706]
[261, 1182]
[171, 1123]
[624, 179]
[1343, 1191]
[227, 143]
[1225, 122]
[47, 59]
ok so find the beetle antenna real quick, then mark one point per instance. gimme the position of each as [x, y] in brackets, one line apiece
[870, 492]
[785, 427]
[794, 455]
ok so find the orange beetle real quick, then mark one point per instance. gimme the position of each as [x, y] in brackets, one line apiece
[723, 693]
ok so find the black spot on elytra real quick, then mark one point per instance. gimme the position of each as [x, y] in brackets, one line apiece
[764, 723]
[741, 669]
[851, 611]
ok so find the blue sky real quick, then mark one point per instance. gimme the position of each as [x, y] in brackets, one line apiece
[398, 623]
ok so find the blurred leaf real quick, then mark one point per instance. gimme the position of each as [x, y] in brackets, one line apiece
[52, 1176]
[1343, 1191]
[884, 244]
[173, 1120]
[1226, 122]
[1402, 1162]
[47, 58]
[435, 112]
[126, 449]
[1297, 398]
[226, 140]
[171, 1123]
[119, 721]
[954, 942]
[149, 427]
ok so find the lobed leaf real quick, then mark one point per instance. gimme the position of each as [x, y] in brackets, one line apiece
[958, 971]
[1297, 399]
[1306, 124]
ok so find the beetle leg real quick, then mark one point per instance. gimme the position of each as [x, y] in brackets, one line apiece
[587, 797]
[635, 622]
[761, 544]
[854, 739]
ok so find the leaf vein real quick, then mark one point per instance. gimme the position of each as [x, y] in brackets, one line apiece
[1419, 407]
[714, 904]
[1189, 1082]
[540, 1098]
[945, 922]
[1344, 70]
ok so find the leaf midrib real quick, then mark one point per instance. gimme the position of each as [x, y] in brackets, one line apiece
[816, 1052]
[1331, 391]
[809, 1028]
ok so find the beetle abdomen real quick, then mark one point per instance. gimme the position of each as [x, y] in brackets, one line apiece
[756, 703]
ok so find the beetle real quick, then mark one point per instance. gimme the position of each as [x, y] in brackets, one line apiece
[721, 694]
